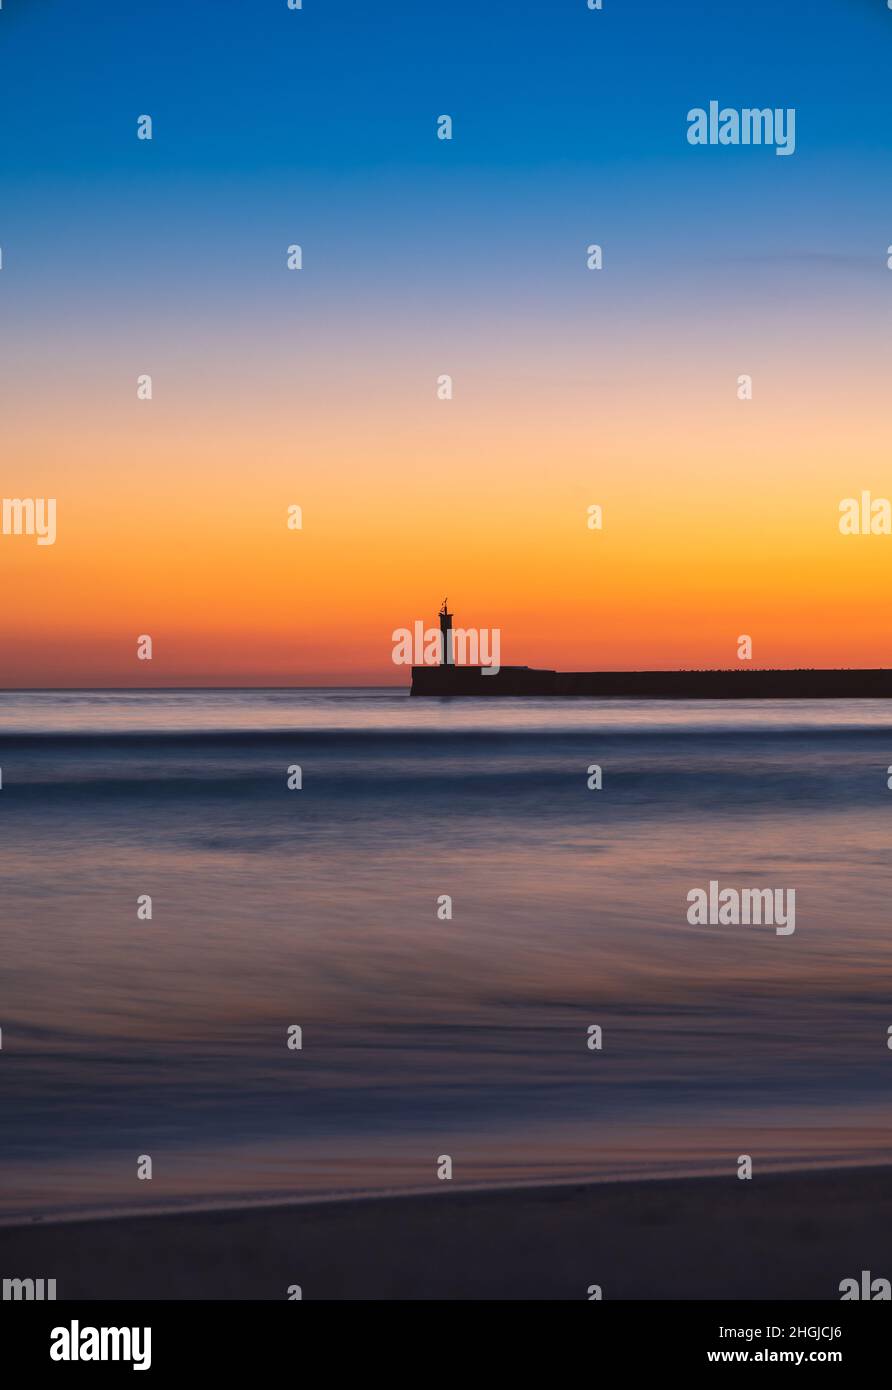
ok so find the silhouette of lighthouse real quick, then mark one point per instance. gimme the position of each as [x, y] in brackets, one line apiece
[446, 636]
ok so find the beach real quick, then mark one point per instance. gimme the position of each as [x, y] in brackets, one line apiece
[777, 1236]
[592, 1056]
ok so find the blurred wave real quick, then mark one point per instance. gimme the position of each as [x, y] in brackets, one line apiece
[318, 907]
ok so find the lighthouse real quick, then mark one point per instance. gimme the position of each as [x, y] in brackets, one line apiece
[446, 658]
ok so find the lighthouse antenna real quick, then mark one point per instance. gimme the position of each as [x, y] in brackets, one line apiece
[446, 658]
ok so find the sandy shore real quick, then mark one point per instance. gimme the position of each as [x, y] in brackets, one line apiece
[780, 1236]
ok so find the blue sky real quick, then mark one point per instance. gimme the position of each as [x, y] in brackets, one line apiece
[347, 84]
[318, 126]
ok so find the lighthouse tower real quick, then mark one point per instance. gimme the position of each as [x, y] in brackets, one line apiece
[446, 658]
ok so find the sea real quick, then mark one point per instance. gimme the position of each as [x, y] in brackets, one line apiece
[484, 957]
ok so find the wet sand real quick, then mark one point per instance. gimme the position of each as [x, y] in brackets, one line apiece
[779, 1236]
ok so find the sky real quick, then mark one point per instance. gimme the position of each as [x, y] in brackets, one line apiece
[423, 257]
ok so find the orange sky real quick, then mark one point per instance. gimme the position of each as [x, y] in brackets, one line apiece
[720, 518]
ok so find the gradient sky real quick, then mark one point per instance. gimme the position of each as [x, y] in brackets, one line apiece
[423, 257]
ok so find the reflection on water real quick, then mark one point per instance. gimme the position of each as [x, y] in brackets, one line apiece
[421, 1037]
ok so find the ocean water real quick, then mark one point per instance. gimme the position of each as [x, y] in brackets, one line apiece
[425, 1037]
